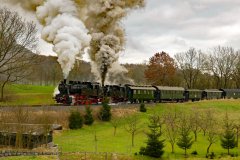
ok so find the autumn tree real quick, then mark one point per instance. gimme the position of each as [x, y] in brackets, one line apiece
[191, 64]
[161, 69]
[17, 38]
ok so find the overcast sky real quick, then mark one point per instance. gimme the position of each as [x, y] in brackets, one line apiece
[174, 26]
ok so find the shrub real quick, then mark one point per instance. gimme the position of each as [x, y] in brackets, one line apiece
[88, 117]
[194, 153]
[211, 155]
[143, 108]
[75, 120]
[105, 112]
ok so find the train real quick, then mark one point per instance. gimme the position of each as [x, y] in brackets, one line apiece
[81, 93]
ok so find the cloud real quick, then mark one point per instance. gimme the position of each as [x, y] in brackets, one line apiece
[175, 26]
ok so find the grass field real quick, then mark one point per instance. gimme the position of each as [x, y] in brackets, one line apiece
[83, 139]
[31, 158]
[28, 95]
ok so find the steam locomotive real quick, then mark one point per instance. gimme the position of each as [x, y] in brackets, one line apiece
[79, 93]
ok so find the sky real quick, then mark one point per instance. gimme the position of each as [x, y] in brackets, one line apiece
[174, 26]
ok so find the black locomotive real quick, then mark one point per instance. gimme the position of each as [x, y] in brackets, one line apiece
[77, 93]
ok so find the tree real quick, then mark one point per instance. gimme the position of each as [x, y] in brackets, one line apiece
[212, 130]
[191, 63]
[161, 69]
[171, 131]
[237, 130]
[142, 108]
[236, 72]
[184, 141]
[115, 123]
[228, 138]
[221, 64]
[132, 126]
[88, 117]
[195, 122]
[17, 38]
[154, 146]
[105, 112]
[75, 120]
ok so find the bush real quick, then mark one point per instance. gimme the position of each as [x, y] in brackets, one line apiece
[143, 108]
[88, 117]
[105, 112]
[75, 120]
[211, 155]
[194, 153]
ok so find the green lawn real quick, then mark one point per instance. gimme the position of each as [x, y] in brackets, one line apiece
[28, 95]
[83, 139]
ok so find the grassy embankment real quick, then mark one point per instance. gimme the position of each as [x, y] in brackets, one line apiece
[83, 139]
[28, 95]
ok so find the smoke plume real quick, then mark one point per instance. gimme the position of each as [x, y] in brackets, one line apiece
[65, 30]
[108, 37]
[64, 24]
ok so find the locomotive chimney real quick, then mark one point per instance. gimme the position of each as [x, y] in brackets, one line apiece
[65, 81]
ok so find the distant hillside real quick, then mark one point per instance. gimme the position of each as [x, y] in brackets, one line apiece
[48, 72]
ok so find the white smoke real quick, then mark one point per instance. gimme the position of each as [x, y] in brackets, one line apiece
[56, 91]
[65, 30]
[64, 24]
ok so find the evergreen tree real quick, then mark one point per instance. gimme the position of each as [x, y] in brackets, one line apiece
[105, 112]
[185, 141]
[154, 146]
[228, 139]
[88, 117]
[75, 120]
[143, 108]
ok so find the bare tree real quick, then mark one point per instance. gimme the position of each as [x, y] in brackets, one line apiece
[236, 126]
[17, 38]
[221, 64]
[195, 122]
[115, 123]
[22, 117]
[191, 63]
[132, 126]
[171, 130]
[236, 73]
[212, 129]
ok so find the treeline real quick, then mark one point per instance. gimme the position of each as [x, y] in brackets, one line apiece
[219, 68]
[48, 72]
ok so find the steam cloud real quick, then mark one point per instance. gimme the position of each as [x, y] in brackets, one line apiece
[108, 37]
[62, 28]
[64, 24]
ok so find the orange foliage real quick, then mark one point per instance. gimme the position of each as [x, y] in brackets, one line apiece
[161, 69]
